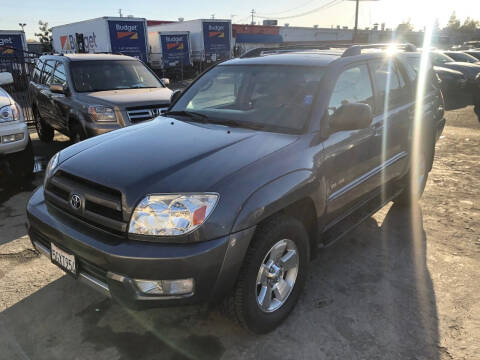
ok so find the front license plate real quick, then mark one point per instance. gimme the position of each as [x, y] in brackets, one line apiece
[63, 259]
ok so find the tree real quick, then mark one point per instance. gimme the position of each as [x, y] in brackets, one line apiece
[453, 23]
[44, 36]
[469, 25]
[405, 27]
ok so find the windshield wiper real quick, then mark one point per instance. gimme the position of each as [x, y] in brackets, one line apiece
[190, 114]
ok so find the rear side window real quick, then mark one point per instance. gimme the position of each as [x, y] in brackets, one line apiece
[37, 71]
[47, 72]
[353, 86]
[59, 77]
[389, 83]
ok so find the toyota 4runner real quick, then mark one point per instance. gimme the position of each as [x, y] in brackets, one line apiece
[226, 196]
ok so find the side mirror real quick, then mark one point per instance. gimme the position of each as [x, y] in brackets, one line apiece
[175, 95]
[6, 78]
[351, 116]
[57, 89]
[165, 81]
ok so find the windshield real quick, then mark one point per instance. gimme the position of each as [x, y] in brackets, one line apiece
[438, 58]
[462, 57]
[111, 75]
[268, 97]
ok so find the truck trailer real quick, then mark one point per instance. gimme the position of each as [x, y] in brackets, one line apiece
[169, 49]
[117, 35]
[12, 43]
[211, 39]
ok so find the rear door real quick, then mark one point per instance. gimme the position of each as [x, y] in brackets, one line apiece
[348, 154]
[394, 112]
[44, 93]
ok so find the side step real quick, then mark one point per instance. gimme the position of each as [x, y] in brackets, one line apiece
[355, 218]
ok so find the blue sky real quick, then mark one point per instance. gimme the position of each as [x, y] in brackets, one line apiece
[58, 12]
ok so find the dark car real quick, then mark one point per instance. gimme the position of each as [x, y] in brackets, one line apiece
[82, 95]
[461, 56]
[451, 81]
[474, 52]
[256, 164]
[470, 70]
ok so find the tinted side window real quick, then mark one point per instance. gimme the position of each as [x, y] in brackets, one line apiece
[59, 77]
[389, 84]
[353, 86]
[37, 71]
[47, 72]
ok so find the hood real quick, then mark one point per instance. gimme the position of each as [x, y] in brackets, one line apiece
[167, 156]
[128, 97]
[4, 98]
[468, 69]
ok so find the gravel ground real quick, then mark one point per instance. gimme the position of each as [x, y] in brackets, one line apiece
[403, 285]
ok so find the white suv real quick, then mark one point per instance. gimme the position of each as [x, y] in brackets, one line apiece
[16, 154]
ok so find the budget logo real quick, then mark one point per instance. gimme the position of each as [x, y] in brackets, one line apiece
[216, 31]
[8, 43]
[127, 32]
[174, 43]
[64, 42]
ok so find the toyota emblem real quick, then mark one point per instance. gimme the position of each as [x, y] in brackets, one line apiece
[75, 201]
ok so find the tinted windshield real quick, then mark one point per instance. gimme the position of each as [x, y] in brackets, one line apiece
[111, 75]
[438, 58]
[269, 97]
[462, 57]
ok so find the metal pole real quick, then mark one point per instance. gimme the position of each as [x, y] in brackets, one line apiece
[355, 33]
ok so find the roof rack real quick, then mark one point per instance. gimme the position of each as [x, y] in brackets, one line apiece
[351, 49]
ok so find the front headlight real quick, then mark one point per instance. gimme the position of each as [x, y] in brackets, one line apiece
[52, 165]
[102, 113]
[10, 113]
[171, 214]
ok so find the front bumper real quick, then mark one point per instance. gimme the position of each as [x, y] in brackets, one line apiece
[110, 263]
[99, 128]
[10, 128]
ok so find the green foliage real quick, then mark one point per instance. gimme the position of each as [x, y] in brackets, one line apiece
[44, 36]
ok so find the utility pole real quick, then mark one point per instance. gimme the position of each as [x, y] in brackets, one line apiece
[213, 16]
[355, 33]
[357, 8]
[22, 25]
[253, 14]
[120, 12]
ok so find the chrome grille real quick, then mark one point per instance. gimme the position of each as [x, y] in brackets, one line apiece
[138, 114]
[100, 206]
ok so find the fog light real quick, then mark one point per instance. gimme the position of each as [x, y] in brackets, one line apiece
[165, 287]
[13, 137]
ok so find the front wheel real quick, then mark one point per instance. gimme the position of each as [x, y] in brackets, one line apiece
[272, 276]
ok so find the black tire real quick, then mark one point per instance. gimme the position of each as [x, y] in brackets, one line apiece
[411, 195]
[76, 133]
[242, 305]
[45, 132]
[22, 163]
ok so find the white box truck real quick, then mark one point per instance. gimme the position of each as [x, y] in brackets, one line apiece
[169, 49]
[211, 39]
[118, 35]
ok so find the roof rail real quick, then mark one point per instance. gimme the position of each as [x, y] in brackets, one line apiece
[355, 50]
[288, 48]
[351, 50]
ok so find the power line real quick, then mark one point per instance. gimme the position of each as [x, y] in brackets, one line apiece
[291, 9]
[323, 7]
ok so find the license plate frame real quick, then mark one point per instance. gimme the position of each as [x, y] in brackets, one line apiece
[64, 260]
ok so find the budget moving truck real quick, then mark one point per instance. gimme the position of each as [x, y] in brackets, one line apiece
[211, 39]
[169, 49]
[117, 35]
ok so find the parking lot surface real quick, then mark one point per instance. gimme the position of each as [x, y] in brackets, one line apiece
[403, 285]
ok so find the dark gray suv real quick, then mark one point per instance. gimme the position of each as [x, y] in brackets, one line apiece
[226, 196]
[82, 95]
